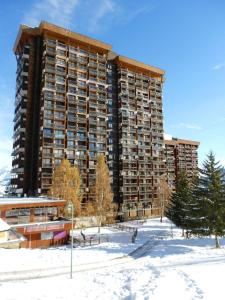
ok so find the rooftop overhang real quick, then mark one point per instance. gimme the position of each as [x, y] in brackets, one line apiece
[170, 142]
[16, 203]
[23, 33]
[187, 142]
[175, 141]
[58, 32]
[137, 66]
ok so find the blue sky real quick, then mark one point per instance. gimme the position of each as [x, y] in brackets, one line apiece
[185, 38]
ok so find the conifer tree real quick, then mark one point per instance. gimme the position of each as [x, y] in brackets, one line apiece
[66, 184]
[193, 211]
[211, 194]
[179, 207]
[103, 192]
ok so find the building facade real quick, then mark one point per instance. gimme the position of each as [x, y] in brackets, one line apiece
[181, 155]
[38, 220]
[140, 119]
[75, 98]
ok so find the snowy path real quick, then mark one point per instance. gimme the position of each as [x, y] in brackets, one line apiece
[62, 270]
[162, 268]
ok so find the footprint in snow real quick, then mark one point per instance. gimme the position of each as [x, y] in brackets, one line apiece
[192, 285]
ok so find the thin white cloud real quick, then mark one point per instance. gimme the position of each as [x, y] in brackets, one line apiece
[219, 66]
[133, 14]
[59, 12]
[189, 126]
[104, 8]
[88, 16]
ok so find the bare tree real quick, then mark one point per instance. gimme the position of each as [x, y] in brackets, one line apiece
[164, 195]
[103, 192]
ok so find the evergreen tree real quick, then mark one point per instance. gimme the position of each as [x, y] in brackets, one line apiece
[181, 203]
[66, 184]
[194, 211]
[211, 194]
[184, 209]
[103, 192]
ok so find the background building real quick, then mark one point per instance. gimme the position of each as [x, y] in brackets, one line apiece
[180, 155]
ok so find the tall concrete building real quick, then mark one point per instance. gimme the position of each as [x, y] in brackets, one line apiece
[181, 155]
[75, 98]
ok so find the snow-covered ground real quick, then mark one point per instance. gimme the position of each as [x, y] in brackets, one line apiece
[4, 179]
[165, 267]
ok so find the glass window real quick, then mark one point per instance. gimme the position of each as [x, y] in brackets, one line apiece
[59, 115]
[49, 95]
[60, 69]
[58, 152]
[59, 142]
[70, 134]
[47, 162]
[48, 122]
[70, 143]
[47, 151]
[57, 162]
[47, 132]
[61, 62]
[60, 79]
[92, 145]
[59, 133]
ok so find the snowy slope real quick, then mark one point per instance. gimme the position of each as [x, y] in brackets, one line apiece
[4, 179]
[169, 268]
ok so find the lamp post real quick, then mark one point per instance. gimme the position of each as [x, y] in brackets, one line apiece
[71, 209]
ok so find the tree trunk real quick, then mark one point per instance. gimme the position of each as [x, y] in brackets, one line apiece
[187, 234]
[217, 241]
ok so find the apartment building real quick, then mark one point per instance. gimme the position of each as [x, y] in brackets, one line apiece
[140, 134]
[180, 155]
[61, 107]
[76, 98]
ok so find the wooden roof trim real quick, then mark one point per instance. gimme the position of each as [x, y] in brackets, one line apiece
[187, 142]
[31, 205]
[45, 27]
[135, 63]
[24, 30]
[170, 142]
[181, 141]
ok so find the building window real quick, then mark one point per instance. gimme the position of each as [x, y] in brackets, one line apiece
[70, 134]
[59, 133]
[70, 143]
[57, 162]
[58, 153]
[47, 132]
[47, 162]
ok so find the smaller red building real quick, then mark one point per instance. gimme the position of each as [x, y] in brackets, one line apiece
[38, 219]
